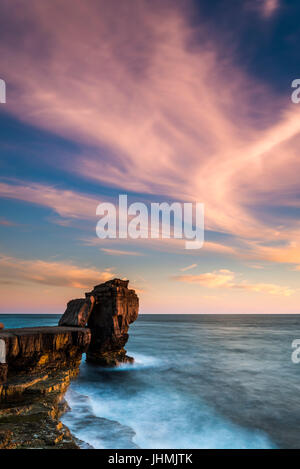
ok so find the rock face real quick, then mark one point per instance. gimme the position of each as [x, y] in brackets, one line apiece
[3, 373]
[108, 310]
[30, 412]
[77, 312]
[37, 364]
[116, 307]
[30, 350]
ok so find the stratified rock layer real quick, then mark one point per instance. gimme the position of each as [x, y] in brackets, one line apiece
[39, 364]
[77, 312]
[3, 372]
[36, 364]
[108, 310]
[30, 412]
[30, 350]
[116, 307]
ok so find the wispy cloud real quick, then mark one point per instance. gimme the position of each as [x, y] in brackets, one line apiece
[225, 278]
[147, 95]
[189, 267]
[216, 279]
[66, 203]
[54, 273]
[119, 252]
[264, 8]
[268, 7]
[5, 222]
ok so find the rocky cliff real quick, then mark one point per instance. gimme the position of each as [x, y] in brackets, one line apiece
[37, 364]
[30, 411]
[31, 350]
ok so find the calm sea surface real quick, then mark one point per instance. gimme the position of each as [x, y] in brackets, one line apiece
[199, 381]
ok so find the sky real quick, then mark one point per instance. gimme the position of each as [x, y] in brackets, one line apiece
[162, 100]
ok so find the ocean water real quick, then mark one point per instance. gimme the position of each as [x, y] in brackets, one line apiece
[199, 381]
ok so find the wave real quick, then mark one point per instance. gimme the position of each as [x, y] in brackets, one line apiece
[91, 431]
[135, 406]
[140, 362]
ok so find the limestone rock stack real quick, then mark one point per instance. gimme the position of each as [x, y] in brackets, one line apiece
[37, 363]
[116, 307]
[107, 310]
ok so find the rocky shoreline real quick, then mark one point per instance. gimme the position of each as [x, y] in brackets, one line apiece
[32, 420]
[37, 365]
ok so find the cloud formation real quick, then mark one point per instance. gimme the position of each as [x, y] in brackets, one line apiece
[268, 7]
[163, 113]
[5, 222]
[189, 267]
[224, 278]
[119, 252]
[51, 273]
[264, 8]
[66, 203]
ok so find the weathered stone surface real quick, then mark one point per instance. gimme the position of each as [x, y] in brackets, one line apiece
[77, 312]
[29, 350]
[30, 417]
[36, 364]
[3, 372]
[115, 308]
[31, 399]
[108, 309]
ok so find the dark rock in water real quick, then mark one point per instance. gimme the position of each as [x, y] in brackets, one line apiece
[37, 363]
[109, 309]
[77, 312]
[116, 307]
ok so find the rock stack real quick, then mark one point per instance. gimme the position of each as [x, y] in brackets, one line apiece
[37, 364]
[97, 324]
[107, 310]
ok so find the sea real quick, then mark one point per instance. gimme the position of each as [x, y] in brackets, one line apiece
[198, 381]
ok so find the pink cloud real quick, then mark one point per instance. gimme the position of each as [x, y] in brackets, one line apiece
[5, 222]
[224, 278]
[53, 273]
[174, 119]
[189, 267]
[265, 8]
[65, 203]
[119, 252]
[268, 7]
[216, 279]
